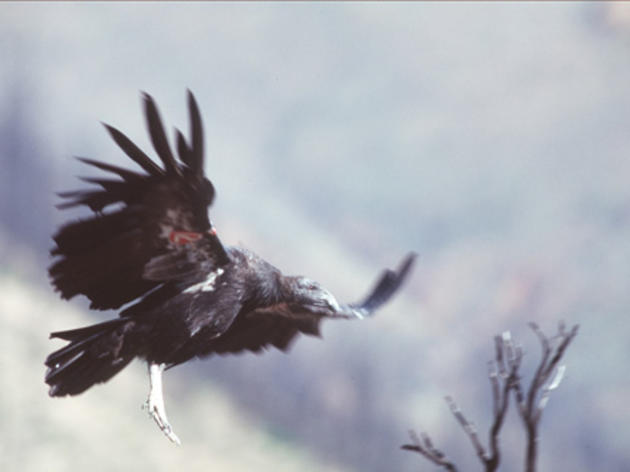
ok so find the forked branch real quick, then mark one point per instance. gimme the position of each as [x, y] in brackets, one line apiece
[426, 449]
[504, 376]
[546, 379]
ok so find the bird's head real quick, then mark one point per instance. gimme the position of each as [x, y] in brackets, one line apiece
[312, 296]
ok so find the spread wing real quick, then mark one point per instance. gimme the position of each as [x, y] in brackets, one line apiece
[148, 226]
[279, 325]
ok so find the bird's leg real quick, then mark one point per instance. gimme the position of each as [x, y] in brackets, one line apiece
[155, 402]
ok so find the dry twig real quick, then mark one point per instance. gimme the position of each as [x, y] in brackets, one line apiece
[530, 407]
[427, 449]
[503, 373]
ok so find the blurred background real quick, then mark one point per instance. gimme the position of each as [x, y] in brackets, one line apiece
[493, 139]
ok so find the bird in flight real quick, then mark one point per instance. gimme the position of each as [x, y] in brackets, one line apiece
[149, 244]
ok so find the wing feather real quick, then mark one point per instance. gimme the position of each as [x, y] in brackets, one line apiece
[389, 282]
[133, 151]
[125, 174]
[196, 136]
[158, 136]
[126, 248]
[182, 148]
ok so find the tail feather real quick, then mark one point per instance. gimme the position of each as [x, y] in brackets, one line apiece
[63, 355]
[82, 333]
[94, 355]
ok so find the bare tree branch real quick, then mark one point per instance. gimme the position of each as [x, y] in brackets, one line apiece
[513, 356]
[468, 427]
[538, 395]
[427, 449]
[493, 376]
[555, 382]
[504, 377]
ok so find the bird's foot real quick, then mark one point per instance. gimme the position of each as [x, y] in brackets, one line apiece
[155, 403]
[158, 413]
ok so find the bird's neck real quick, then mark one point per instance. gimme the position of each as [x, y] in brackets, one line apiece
[287, 288]
[271, 288]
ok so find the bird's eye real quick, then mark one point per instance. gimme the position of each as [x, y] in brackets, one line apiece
[310, 286]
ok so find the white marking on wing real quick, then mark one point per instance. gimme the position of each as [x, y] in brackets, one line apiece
[172, 214]
[171, 217]
[205, 285]
[165, 231]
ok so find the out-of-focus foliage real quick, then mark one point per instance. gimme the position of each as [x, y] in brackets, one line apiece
[491, 139]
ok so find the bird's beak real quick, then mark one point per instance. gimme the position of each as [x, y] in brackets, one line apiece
[332, 303]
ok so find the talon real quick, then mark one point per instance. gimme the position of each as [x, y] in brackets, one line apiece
[155, 403]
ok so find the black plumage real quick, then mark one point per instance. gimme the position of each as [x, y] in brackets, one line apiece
[150, 245]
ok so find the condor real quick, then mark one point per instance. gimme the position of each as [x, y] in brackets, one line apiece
[149, 244]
